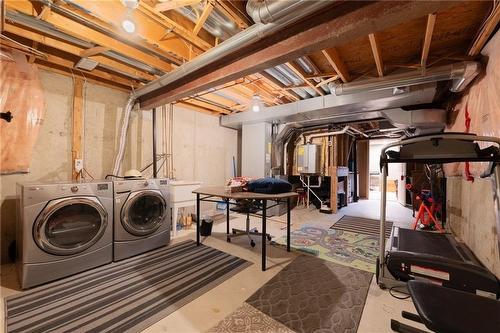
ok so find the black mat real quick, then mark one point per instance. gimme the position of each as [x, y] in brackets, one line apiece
[362, 225]
[313, 295]
[125, 296]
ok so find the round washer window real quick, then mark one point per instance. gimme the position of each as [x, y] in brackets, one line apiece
[69, 226]
[145, 213]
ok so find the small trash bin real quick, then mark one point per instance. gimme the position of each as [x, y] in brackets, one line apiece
[206, 227]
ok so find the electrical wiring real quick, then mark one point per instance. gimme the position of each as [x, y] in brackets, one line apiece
[398, 291]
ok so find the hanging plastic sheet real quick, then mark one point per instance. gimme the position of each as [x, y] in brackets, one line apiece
[21, 94]
[479, 109]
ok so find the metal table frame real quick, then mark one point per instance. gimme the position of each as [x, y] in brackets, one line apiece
[209, 193]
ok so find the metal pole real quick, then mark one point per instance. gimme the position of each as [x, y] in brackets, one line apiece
[264, 213]
[155, 168]
[383, 201]
[355, 162]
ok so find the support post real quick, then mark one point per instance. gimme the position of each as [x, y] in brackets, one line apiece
[288, 207]
[197, 219]
[264, 213]
[355, 167]
[76, 148]
[155, 167]
[227, 216]
[383, 202]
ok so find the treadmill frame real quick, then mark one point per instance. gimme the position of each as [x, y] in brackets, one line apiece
[384, 277]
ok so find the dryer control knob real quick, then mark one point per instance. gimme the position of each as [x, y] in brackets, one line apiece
[74, 189]
[146, 184]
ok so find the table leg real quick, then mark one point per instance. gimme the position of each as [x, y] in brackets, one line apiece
[174, 220]
[264, 213]
[197, 219]
[227, 216]
[288, 224]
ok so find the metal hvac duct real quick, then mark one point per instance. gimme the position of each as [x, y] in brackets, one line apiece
[460, 73]
[287, 14]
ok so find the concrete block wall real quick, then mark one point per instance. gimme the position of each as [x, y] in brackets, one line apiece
[203, 150]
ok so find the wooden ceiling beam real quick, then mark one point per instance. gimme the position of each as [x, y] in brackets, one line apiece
[232, 13]
[203, 17]
[198, 108]
[483, 36]
[332, 28]
[177, 29]
[299, 73]
[75, 50]
[208, 106]
[66, 72]
[429, 29]
[280, 86]
[93, 51]
[114, 12]
[377, 54]
[167, 5]
[83, 32]
[334, 59]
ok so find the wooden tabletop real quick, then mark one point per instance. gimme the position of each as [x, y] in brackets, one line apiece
[220, 191]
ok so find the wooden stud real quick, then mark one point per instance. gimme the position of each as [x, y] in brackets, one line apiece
[93, 51]
[333, 58]
[173, 4]
[77, 128]
[78, 30]
[431, 20]
[207, 105]
[299, 73]
[376, 54]
[203, 17]
[75, 50]
[485, 33]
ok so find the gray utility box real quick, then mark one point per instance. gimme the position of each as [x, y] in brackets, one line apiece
[309, 158]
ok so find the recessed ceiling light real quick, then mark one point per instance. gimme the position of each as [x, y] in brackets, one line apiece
[128, 26]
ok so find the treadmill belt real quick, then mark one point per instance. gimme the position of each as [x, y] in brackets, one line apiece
[427, 242]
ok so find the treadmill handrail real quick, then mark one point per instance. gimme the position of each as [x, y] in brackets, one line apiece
[431, 137]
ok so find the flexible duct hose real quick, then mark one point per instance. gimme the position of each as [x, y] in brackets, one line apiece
[123, 135]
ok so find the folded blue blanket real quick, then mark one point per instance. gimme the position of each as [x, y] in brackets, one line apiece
[269, 185]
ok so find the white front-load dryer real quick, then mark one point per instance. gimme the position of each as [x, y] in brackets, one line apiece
[63, 228]
[142, 216]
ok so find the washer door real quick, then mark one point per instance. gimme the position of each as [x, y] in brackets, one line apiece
[70, 225]
[143, 212]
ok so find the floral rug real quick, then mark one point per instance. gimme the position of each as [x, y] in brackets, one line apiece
[342, 247]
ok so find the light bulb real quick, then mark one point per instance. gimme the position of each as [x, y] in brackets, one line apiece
[128, 26]
[256, 104]
[255, 108]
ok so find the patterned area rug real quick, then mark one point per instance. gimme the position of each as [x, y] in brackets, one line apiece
[247, 319]
[314, 295]
[346, 248]
[362, 225]
[125, 296]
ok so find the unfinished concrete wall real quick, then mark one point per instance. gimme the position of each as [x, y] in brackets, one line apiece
[203, 150]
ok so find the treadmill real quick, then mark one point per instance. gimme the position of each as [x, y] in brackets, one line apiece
[431, 256]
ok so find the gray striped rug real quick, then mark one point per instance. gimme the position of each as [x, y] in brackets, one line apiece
[362, 225]
[125, 296]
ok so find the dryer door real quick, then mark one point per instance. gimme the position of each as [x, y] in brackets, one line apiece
[70, 225]
[143, 212]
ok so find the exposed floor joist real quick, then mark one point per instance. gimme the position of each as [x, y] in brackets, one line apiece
[345, 25]
[377, 56]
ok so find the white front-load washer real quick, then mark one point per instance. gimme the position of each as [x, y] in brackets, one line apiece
[142, 216]
[63, 228]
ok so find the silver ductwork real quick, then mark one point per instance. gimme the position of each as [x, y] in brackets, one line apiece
[460, 73]
[287, 14]
[335, 109]
[267, 11]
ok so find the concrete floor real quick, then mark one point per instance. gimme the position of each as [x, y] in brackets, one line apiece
[207, 310]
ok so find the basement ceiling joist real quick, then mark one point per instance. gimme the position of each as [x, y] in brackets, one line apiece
[336, 27]
[335, 44]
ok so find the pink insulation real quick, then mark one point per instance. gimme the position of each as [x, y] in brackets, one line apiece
[479, 108]
[20, 93]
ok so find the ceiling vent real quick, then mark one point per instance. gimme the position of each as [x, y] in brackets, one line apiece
[86, 64]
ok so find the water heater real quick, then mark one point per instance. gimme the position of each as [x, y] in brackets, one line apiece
[309, 158]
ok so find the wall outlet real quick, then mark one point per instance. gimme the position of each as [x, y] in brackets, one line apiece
[78, 164]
